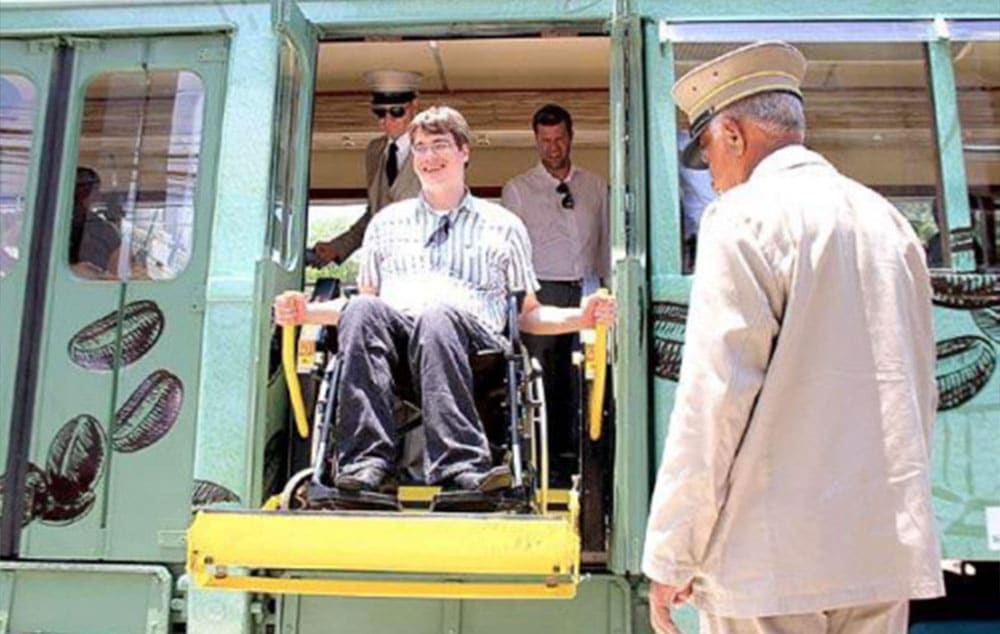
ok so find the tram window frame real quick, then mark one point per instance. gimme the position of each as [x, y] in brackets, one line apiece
[129, 206]
[12, 223]
[984, 198]
[922, 32]
[289, 134]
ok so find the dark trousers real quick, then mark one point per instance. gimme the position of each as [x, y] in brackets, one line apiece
[562, 383]
[381, 349]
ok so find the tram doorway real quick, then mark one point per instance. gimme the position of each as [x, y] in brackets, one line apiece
[497, 83]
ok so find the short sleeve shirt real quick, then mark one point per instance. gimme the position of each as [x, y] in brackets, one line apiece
[470, 258]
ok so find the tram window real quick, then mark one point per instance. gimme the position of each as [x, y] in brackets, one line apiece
[17, 117]
[286, 159]
[977, 78]
[136, 176]
[868, 110]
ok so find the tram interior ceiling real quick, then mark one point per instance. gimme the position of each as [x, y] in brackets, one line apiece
[496, 83]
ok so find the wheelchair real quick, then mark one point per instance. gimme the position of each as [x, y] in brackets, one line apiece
[510, 401]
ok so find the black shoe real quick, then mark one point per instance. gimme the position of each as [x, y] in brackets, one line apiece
[489, 481]
[373, 479]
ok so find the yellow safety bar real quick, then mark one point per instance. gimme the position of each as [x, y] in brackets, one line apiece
[292, 379]
[597, 360]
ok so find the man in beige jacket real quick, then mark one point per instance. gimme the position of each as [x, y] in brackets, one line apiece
[794, 491]
[389, 171]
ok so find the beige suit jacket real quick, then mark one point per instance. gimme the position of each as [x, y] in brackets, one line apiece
[406, 185]
[795, 476]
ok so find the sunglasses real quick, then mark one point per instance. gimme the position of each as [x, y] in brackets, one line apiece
[396, 112]
[567, 196]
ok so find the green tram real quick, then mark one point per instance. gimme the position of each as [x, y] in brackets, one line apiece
[213, 135]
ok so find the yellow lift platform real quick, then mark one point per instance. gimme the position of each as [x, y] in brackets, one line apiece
[388, 554]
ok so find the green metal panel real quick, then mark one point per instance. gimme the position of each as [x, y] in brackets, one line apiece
[135, 516]
[300, 38]
[228, 396]
[84, 598]
[628, 248]
[33, 61]
[228, 453]
[603, 605]
[247, 409]
[951, 162]
[965, 459]
[666, 281]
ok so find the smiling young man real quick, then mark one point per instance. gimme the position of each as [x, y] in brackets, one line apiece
[435, 274]
[794, 491]
[389, 172]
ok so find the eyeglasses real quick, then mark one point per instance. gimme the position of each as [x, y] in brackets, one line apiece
[396, 112]
[567, 196]
[438, 147]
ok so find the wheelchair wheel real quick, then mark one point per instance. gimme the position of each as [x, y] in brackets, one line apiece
[294, 495]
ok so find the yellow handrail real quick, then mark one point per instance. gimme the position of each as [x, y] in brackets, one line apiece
[292, 379]
[599, 358]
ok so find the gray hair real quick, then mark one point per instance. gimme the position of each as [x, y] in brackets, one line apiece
[778, 112]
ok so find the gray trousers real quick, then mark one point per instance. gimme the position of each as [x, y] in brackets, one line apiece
[382, 349]
[875, 618]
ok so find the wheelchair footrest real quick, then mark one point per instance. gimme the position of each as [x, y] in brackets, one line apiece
[321, 497]
[373, 554]
[477, 502]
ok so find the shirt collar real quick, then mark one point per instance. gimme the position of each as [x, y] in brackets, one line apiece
[467, 204]
[550, 178]
[402, 147]
[786, 158]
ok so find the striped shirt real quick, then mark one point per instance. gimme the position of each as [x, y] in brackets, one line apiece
[470, 258]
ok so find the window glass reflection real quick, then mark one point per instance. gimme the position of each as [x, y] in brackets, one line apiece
[136, 176]
[286, 161]
[868, 110]
[17, 118]
[977, 78]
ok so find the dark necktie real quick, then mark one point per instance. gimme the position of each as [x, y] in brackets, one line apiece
[440, 233]
[390, 164]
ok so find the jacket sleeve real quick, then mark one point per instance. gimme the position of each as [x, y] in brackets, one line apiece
[348, 242]
[736, 303]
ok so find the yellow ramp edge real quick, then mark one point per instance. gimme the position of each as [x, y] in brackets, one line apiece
[452, 555]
